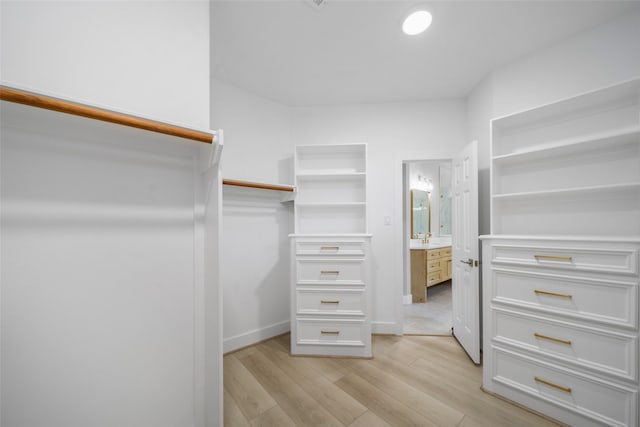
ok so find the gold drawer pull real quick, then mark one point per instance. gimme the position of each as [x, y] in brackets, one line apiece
[329, 272]
[550, 384]
[554, 257]
[329, 248]
[558, 340]
[330, 332]
[329, 302]
[552, 294]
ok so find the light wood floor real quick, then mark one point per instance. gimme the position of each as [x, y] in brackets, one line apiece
[411, 381]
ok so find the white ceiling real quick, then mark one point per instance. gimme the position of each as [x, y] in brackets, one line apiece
[351, 51]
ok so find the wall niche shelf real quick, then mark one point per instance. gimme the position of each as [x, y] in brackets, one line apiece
[578, 155]
[587, 142]
[331, 184]
[568, 191]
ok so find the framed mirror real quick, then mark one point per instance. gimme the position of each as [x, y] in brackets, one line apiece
[420, 213]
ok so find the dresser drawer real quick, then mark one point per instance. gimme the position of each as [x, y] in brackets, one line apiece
[596, 349]
[329, 248]
[566, 258]
[433, 254]
[606, 301]
[350, 302]
[434, 265]
[334, 332]
[607, 403]
[446, 252]
[433, 278]
[327, 271]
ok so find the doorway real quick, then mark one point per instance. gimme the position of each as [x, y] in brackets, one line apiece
[427, 290]
[464, 250]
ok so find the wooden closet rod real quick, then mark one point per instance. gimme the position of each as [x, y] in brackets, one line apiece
[257, 185]
[62, 106]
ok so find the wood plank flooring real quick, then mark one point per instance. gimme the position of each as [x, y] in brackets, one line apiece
[411, 381]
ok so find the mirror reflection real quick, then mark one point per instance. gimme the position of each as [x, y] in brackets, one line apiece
[420, 213]
[445, 199]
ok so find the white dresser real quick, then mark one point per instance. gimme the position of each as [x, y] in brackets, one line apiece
[330, 290]
[560, 269]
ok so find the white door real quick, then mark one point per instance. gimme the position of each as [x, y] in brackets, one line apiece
[465, 260]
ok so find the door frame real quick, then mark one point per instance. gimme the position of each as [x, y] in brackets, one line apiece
[400, 241]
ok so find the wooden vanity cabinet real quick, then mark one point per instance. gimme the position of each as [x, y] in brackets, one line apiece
[428, 267]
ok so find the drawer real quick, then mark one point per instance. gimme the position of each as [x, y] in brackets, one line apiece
[434, 265]
[329, 248]
[599, 260]
[350, 302]
[433, 253]
[335, 332]
[446, 252]
[596, 349]
[433, 278]
[327, 271]
[606, 301]
[607, 403]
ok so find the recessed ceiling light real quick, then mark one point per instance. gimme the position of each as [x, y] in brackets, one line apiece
[417, 22]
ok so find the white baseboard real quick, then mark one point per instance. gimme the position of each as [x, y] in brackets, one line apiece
[387, 328]
[255, 336]
[407, 299]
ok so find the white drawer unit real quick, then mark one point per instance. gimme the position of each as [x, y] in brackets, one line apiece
[597, 349]
[330, 271]
[342, 302]
[561, 265]
[355, 247]
[603, 299]
[337, 333]
[567, 258]
[589, 400]
[567, 328]
[330, 288]
[330, 296]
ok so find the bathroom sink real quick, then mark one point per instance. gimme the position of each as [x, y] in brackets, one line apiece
[431, 245]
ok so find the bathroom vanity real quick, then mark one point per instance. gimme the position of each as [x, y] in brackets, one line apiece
[430, 265]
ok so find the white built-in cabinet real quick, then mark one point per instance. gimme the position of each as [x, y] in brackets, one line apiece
[560, 268]
[330, 290]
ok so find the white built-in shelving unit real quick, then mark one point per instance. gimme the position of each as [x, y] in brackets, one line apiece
[570, 168]
[331, 182]
[330, 283]
[560, 268]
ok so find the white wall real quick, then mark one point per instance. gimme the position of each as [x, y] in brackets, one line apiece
[257, 131]
[102, 311]
[479, 114]
[255, 256]
[393, 132]
[600, 57]
[148, 58]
